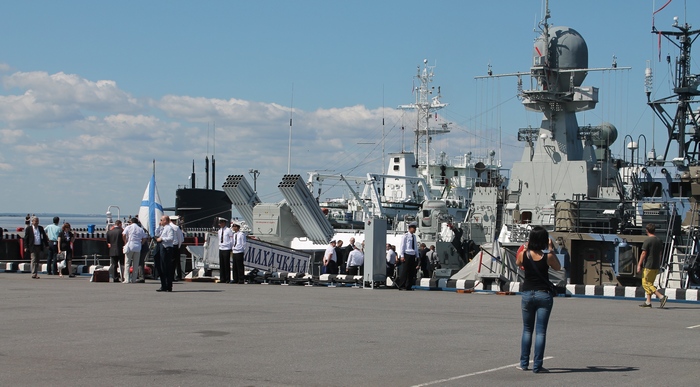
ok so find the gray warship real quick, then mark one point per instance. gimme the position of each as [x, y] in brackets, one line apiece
[595, 206]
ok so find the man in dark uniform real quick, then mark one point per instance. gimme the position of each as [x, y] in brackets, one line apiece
[115, 242]
[340, 254]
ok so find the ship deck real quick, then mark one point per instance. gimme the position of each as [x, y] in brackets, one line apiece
[75, 332]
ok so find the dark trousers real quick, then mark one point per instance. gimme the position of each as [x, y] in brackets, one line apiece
[408, 274]
[390, 270]
[224, 265]
[331, 268]
[353, 270]
[163, 261]
[51, 264]
[177, 267]
[113, 262]
[238, 268]
[145, 250]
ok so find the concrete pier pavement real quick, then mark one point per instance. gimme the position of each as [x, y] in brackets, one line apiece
[71, 332]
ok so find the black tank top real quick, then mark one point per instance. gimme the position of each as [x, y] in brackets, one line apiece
[533, 280]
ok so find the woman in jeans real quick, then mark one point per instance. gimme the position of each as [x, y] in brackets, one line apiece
[536, 259]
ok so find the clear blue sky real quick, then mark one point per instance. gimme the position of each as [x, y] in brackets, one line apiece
[94, 90]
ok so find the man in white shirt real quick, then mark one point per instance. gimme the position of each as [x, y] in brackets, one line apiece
[390, 261]
[165, 236]
[133, 236]
[238, 249]
[177, 244]
[407, 255]
[355, 260]
[330, 260]
[225, 246]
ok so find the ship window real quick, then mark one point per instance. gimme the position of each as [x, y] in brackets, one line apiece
[679, 189]
[653, 189]
[456, 173]
[396, 167]
[396, 159]
[525, 217]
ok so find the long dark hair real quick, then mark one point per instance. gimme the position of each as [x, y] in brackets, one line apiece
[539, 239]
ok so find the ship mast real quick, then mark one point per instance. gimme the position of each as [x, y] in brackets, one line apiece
[683, 126]
[426, 106]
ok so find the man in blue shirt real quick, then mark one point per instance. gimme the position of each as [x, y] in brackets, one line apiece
[52, 232]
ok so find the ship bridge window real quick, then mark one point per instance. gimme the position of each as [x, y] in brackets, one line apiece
[653, 189]
[396, 159]
[396, 167]
[678, 189]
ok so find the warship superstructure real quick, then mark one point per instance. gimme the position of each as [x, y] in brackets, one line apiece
[596, 206]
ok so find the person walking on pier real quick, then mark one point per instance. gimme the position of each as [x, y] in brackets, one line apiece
[407, 255]
[238, 249]
[537, 301]
[225, 246]
[65, 243]
[52, 231]
[649, 264]
[115, 243]
[36, 243]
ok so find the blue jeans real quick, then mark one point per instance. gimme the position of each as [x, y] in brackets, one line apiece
[536, 307]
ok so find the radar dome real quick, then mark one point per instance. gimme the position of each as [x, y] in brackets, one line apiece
[567, 50]
[606, 136]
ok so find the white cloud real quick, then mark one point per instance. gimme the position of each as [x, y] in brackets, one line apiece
[105, 141]
[9, 136]
[51, 101]
[69, 89]
[232, 111]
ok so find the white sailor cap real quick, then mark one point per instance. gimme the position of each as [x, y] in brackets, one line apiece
[235, 224]
[412, 224]
[222, 220]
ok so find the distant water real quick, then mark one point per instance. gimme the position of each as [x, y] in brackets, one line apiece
[10, 222]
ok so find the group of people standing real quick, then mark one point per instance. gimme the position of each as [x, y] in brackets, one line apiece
[343, 260]
[232, 246]
[124, 262]
[55, 244]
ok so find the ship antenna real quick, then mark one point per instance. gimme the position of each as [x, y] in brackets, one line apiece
[383, 135]
[289, 151]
